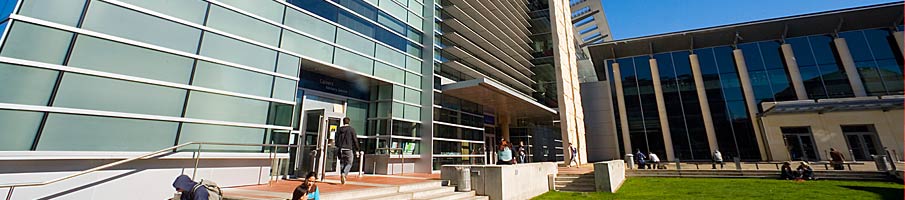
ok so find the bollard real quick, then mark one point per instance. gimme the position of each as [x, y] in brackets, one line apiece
[630, 161]
[881, 163]
[464, 182]
[678, 165]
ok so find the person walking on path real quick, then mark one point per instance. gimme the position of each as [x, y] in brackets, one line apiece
[654, 161]
[504, 155]
[346, 147]
[837, 159]
[641, 157]
[574, 158]
[717, 159]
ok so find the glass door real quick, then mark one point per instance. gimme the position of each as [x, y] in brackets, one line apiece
[862, 141]
[800, 143]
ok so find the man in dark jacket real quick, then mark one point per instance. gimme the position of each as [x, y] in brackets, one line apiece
[346, 147]
[185, 185]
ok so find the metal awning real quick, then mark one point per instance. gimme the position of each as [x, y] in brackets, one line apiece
[501, 98]
[834, 105]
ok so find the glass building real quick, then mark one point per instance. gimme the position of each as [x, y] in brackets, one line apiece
[425, 82]
[742, 88]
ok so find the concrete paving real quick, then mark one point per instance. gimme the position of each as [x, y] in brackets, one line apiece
[282, 189]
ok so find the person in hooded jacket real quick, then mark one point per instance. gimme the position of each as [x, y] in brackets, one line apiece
[184, 184]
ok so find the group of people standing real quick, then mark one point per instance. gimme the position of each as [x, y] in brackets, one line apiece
[506, 156]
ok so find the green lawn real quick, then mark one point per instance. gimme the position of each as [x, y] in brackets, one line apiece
[718, 188]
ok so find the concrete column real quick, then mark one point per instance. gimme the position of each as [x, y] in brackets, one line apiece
[795, 75]
[854, 79]
[748, 91]
[661, 108]
[898, 35]
[702, 98]
[504, 126]
[623, 116]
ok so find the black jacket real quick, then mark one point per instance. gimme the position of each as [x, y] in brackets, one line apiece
[346, 138]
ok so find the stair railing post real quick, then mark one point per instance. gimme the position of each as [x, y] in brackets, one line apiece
[197, 158]
[9, 195]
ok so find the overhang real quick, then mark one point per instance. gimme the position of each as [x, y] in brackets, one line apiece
[875, 16]
[884, 103]
[489, 93]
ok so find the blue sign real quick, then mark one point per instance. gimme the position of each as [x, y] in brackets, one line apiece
[319, 82]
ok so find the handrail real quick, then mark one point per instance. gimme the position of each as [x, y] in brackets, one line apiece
[140, 157]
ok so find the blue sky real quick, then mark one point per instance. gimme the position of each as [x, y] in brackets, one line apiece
[635, 18]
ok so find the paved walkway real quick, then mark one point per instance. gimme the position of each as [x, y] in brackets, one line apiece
[282, 189]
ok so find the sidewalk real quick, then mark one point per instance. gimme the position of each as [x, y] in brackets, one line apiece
[282, 189]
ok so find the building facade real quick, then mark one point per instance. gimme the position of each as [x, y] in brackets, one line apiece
[789, 88]
[425, 82]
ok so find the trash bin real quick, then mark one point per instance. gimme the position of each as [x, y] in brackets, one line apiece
[463, 184]
[630, 160]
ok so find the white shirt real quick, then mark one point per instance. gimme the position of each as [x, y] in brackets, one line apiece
[718, 156]
[653, 157]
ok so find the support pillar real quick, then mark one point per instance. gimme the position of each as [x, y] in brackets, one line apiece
[661, 108]
[748, 92]
[623, 116]
[504, 126]
[898, 35]
[702, 98]
[854, 79]
[794, 74]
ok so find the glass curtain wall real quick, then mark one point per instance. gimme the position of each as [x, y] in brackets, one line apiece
[734, 131]
[767, 72]
[822, 73]
[879, 66]
[640, 104]
[683, 110]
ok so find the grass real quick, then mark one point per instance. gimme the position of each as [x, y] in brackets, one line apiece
[721, 188]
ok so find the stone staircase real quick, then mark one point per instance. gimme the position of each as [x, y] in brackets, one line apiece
[425, 190]
[575, 182]
[773, 174]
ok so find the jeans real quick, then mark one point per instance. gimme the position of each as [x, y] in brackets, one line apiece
[346, 157]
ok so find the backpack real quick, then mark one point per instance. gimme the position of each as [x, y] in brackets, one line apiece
[213, 191]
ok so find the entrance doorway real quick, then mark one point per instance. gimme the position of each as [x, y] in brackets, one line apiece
[862, 141]
[317, 152]
[800, 143]
[490, 145]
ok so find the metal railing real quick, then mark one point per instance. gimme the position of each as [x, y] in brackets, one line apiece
[196, 157]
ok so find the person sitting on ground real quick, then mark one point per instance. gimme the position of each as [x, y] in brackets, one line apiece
[186, 186]
[308, 189]
[786, 172]
[641, 157]
[654, 161]
[805, 171]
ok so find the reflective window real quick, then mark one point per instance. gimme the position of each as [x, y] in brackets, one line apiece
[108, 56]
[64, 132]
[118, 21]
[358, 113]
[354, 62]
[413, 80]
[37, 43]
[872, 51]
[413, 64]
[355, 42]
[202, 105]
[284, 89]
[243, 25]
[390, 73]
[222, 134]
[412, 96]
[307, 47]
[26, 85]
[95, 93]
[228, 49]
[280, 114]
[270, 10]
[182, 9]
[63, 12]
[19, 129]
[288, 65]
[308, 24]
[390, 56]
[232, 79]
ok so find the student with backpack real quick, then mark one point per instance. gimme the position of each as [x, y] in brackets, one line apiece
[191, 190]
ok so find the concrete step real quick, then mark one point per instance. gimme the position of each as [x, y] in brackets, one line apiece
[420, 186]
[362, 193]
[574, 175]
[476, 198]
[574, 182]
[432, 191]
[450, 195]
[576, 189]
[391, 196]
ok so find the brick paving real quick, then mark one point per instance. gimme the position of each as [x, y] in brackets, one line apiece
[282, 189]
